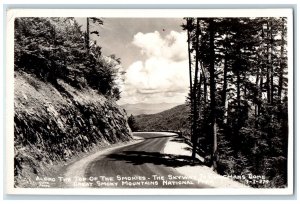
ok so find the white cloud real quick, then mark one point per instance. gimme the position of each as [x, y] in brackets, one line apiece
[172, 47]
[163, 75]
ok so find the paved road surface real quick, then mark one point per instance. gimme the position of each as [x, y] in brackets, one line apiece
[141, 165]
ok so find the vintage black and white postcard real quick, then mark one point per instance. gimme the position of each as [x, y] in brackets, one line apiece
[139, 102]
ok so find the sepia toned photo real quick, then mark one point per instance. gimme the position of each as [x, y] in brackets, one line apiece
[191, 103]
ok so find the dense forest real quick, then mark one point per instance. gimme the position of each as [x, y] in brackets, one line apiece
[238, 95]
[57, 48]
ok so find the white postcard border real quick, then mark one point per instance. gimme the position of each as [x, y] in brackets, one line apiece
[151, 13]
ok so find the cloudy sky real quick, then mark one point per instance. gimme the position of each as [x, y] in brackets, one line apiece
[153, 53]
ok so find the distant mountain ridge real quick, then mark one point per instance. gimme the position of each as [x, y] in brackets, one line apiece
[147, 108]
[175, 118]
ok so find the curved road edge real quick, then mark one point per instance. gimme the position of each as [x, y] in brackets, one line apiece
[77, 169]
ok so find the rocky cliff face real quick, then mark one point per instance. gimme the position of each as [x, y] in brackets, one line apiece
[55, 122]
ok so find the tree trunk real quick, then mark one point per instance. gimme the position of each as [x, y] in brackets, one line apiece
[245, 86]
[204, 87]
[268, 65]
[271, 64]
[224, 92]
[88, 34]
[257, 94]
[195, 114]
[225, 81]
[212, 92]
[199, 91]
[189, 22]
[281, 68]
[260, 92]
[261, 76]
[236, 139]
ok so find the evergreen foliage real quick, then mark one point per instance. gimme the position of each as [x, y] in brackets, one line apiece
[238, 96]
[132, 123]
[55, 48]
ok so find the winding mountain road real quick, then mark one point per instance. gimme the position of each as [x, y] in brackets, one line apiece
[139, 165]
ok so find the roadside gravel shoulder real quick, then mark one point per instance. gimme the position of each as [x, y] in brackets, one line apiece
[204, 174]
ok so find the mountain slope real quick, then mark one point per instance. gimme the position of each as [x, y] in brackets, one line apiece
[65, 96]
[52, 125]
[173, 119]
[147, 108]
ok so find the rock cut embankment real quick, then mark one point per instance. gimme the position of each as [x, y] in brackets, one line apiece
[52, 123]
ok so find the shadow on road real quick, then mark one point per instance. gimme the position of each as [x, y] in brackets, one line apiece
[149, 138]
[142, 157]
[188, 142]
[181, 140]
